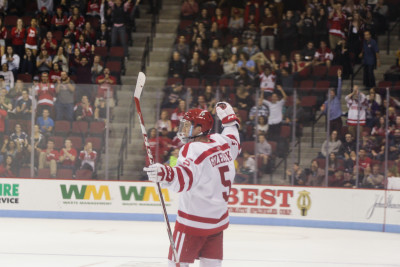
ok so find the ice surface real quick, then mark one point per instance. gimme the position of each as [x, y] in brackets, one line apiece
[87, 243]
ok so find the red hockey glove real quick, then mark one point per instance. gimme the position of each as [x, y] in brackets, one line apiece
[158, 173]
[226, 114]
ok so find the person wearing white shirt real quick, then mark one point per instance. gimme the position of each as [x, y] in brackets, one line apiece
[276, 113]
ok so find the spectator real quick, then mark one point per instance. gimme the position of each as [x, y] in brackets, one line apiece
[93, 8]
[348, 179]
[84, 71]
[334, 164]
[342, 57]
[268, 26]
[260, 110]
[262, 126]
[119, 16]
[276, 109]
[84, 46]
[59, 21]
[172, 161]
[323, 56]
[380, 12]
[250, 48]
[83, 111]
[48, 158]
[347, 147]
[314, 175]
[32, 37]
[364, 161]
[236, 22]
[105, 89]
[220, 19]
[182, 48]
[100, 111]
[7, 75]
[195, 64]
[177, 115]
[61, 59]
[23, 108]
[371, 60]
[230, 67]
[334, 106]
[355, 35]
[379, 130]
[216, 48]
[16, 92]
[65, 97]
[7, 169]
[264, 151]
[331, 146]
[3, 36]
[308, 52]
[203, 19]
[12, 60]
[28, 63]
[233, 47]
[337, 21]
[286, 80]
[248, 64]
[68, 156]
[357, 104]
[244, 100]
[55, 73]
[44, 19]
[103, 36]
[17, 41]
[247, 170]
[300, 116]
[288, 33]
[336, 179]
[298, 64]
[44, 62]
[299, 176]
[307, 25]
[158, 148]
[251, 32]
[74, 61]
[176, 66]
[49, 44]
[321, 28]
[46, 124]
[97, 68]
[374, 179]
[45, 92]
[40, 142]
[88, 33]
[212, 69]
[77, 18]
[164, 122]
[71, 32]
[189, 9]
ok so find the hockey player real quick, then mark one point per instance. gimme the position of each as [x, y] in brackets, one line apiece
[203, 175]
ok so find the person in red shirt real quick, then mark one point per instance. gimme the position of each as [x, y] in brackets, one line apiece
[68, 156]
[106, 82]
[55, 73]
[59, 21]
[18, 38]
[93, 8]
[76, 18]
[88, 157]
[32, 37]
[83, 46]
[71, 32]
[50, 44]
[6, 169]
[83, 110]
[45, 91]
[221, 19]
[48, 158]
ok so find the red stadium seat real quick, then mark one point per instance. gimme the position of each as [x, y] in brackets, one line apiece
[101, 51]
[319, 72]
[97, 128]
[76, 142]
[248, 146]
[79, 128]
[96, 143]
[83, 174]
[173, 80]
[191, 82]
[43, 173]
[62, 128]
[64, 174]
[306, 86]
[25, 77]
[58, 142]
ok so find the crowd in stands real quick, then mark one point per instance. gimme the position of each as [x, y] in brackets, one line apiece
[61, 62]
[254, 54]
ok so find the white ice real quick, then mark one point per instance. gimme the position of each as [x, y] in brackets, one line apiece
[89, 243]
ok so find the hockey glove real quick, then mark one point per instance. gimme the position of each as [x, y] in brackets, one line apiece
[226, 114]
[158, 173]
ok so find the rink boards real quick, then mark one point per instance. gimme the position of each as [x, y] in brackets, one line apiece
[375, 210]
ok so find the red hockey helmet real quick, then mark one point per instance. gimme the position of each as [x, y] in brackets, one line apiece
[191, 119]
[200, 117]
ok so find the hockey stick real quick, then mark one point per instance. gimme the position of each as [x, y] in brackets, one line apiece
[138, 91]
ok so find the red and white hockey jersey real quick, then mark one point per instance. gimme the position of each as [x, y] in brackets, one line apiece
[46, 93]
[267, 83]
[204, 175]
[353, 114]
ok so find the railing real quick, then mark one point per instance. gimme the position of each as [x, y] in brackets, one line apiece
[389, 33]
[123, 154]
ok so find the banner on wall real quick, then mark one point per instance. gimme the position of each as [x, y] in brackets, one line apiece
[249, 203]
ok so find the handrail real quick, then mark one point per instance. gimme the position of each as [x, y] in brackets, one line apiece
[123, 154]
[388, 35]
[145, 55]
[353, 76]
[313, 128]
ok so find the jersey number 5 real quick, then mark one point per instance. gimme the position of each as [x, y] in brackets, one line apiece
[226, 183]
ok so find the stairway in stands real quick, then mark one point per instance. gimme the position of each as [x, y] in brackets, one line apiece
[156, 75]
